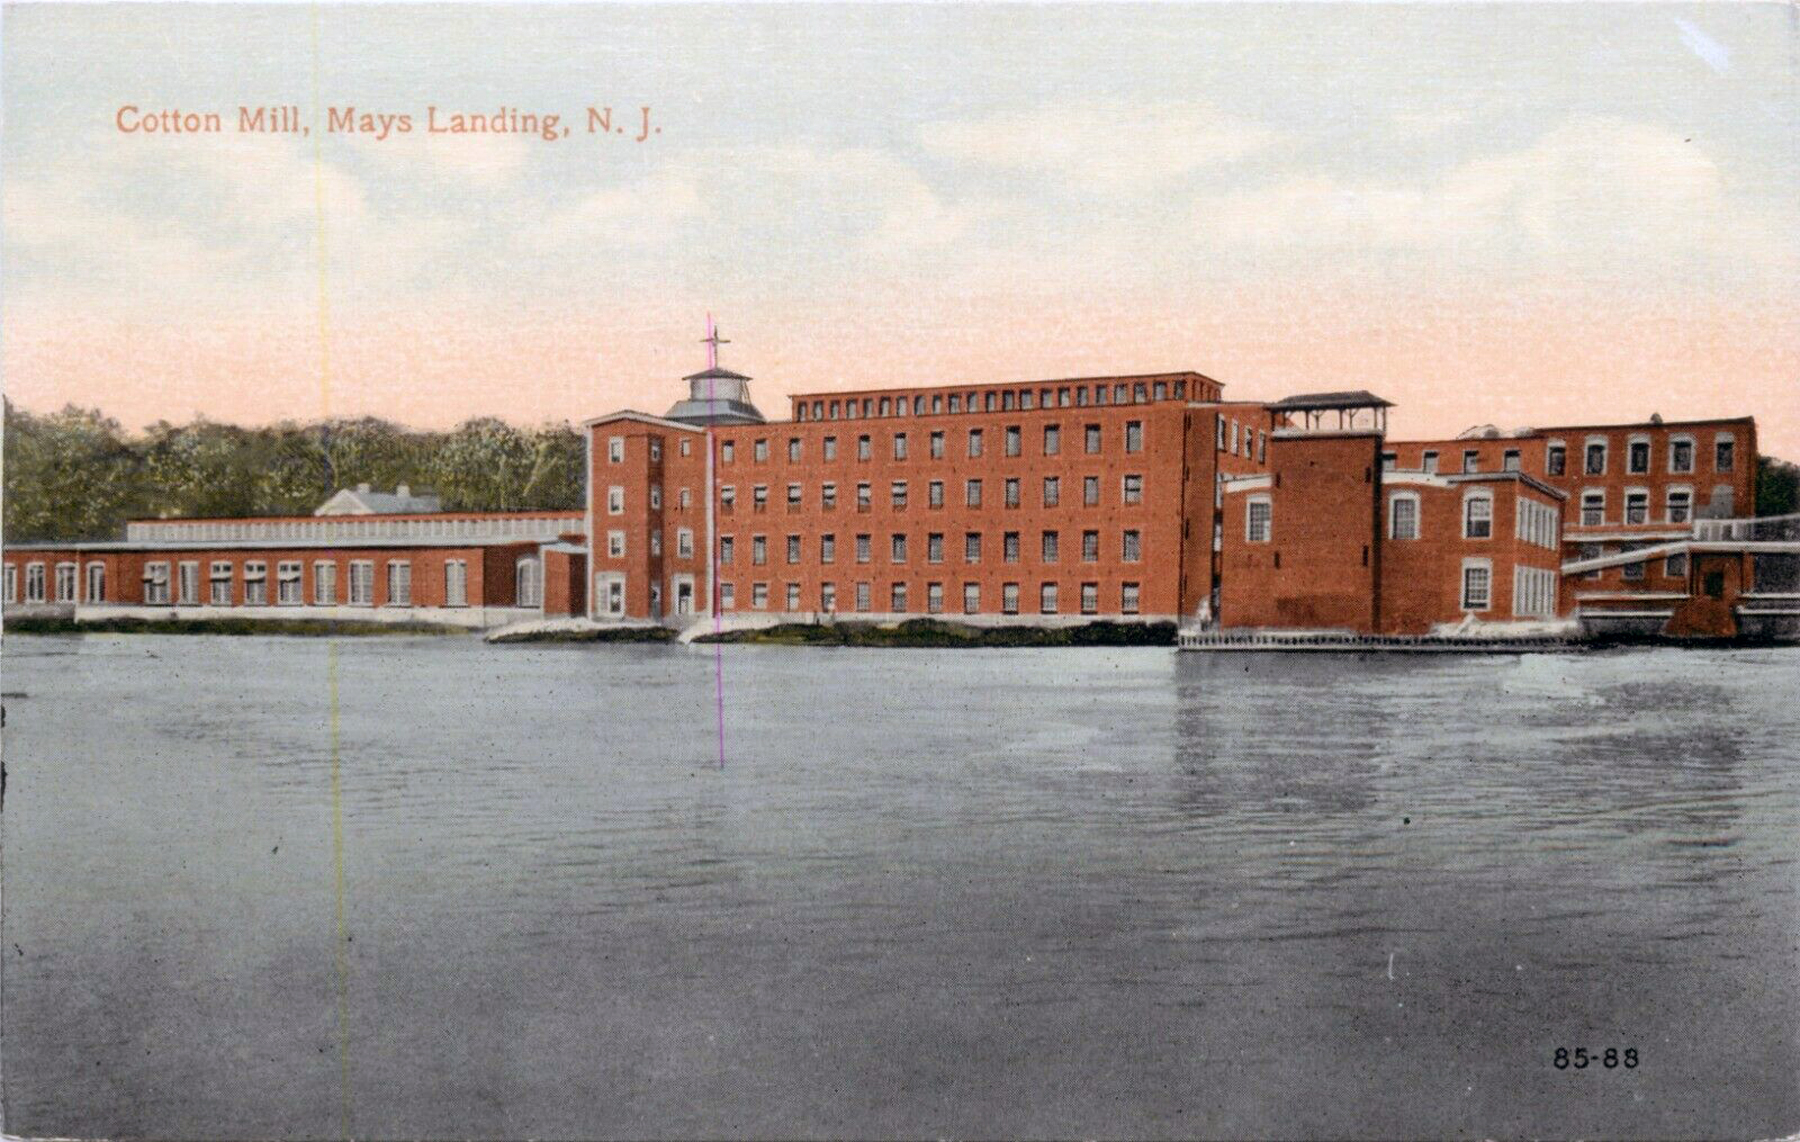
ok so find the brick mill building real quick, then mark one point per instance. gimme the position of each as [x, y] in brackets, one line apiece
[1136, 498]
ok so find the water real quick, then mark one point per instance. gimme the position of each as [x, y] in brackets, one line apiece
[974, 893]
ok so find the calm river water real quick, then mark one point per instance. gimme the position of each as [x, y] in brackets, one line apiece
[975, 893]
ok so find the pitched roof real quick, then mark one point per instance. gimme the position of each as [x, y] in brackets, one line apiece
[1349, 398]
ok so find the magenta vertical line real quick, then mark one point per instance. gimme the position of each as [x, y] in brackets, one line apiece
[712, 362]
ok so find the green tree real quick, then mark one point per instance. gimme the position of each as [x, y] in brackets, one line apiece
[1777, 486]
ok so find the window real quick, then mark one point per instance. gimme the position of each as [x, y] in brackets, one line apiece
[1012, 491]
[864, 448]
[727, 549]
[615, 544]
[1476, 577]
[655, 497]
[456, 583]
[897, 599]
[1128, 598]
[399, 583]
[1009, 598]
[1013, 440]
[684, 543]
[1428, 461]
[1637, 506]
[256, 584]
[1478, 516]
[1724, 450]
[12, 583]
[218, 584]
[793, 596]
[828, 597]
[759, 550]
[656, 542]
[1090, 598]
[1090, 547]
[793, 549]
[828, 548]
[1090, 491]
[1258, 518]
[684, 500]
[828, 497]
[528, 581]
[1637, 456]
[793, 450]
[1632, 572]
[1134, 436]
[615, 500]
[687, 447]
[728, 451]
[727, 498]
[1593, 508]
[1555, 458]
[187, 584]
[1676, 566]
[972, 493]
[934, 547]
[1052, 491]
[1052, 439]
[864, 548]
[1595, 464]
[1130, 547]
[760, 450]
[1471, 461]
[34, 582]
[1047, 599]
[897, 493]
[1051, 543]
[1681, 455]
[759, 498]
[899, 445]
[971, 598]
[972, 547]
[656, 449]
[937, 445]
[974, 442]
[829, 446]
[1680, 504]
[1091, 436]
[865, 497]
[1009, 547]
[1390, 461]
[1403, 516]
[727, 596]
[615, 450]
[156, 583]
[287, 584]
[1134, 489]
[759, 596]
[67, 574]
[934, 598]
[934, 494]
[1509, 460]
[793, 497]
[862, 596]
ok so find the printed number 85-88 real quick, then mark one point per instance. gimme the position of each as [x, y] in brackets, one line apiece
[1610, 1058]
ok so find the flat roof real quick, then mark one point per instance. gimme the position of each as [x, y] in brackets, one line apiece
[1345, 398]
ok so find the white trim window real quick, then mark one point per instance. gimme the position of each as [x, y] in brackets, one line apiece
[1128, 598]
[218, 586]
[325, 583]
[1679, 504]
[156, 583]
[684, 543]
[615, 450]
[1534, 593]
[1556, 458]
[1477, 584]
[1478, 515]
[1259, 519]
[187, 584]
[1131, 547]
[1594, 456]
[1724, 452]
[12, 583]
[1637, 505]
[456, 583]
[1593, 507]
[34, 582]
[615, 545]
[1637, 455]
[1403, 515]
[528, 578]
[1132, 489]
[1681, 454]
[256, 583]
[288, 590]
[362, 582]
[399, 583]
[615, 500]
[68, 575]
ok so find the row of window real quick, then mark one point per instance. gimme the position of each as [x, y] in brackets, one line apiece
[1638, 458]
[67, 576]
[1131, 547]
[1403, 519]
[1230, 432]
[1131, 491]
[1678, 505]
[975, 443]
[900, 601]
[993, 400]
[180, 584]
[1672, 566]
[1534, 593]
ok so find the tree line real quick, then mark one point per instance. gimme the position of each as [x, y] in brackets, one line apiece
[76, 474]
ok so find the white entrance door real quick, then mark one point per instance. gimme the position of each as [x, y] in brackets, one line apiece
[684, 594]
[609, 594]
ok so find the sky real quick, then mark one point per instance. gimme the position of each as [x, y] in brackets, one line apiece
[1499, 214]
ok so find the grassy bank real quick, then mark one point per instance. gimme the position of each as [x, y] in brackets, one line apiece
[603, 634]
[304, 628]
[936, 633]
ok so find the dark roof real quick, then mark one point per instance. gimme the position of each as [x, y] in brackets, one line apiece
[716, 374]
[715, 412]
[1353, 398]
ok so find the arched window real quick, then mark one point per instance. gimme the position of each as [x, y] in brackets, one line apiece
[530, 579]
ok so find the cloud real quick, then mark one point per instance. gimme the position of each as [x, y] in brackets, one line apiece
[1106, 144]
